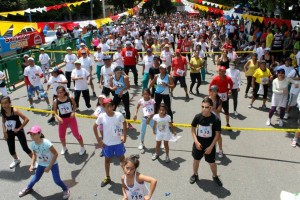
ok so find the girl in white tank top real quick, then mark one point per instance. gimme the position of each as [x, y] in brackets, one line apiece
[133, 183]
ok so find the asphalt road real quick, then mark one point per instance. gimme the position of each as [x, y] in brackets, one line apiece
[258, 165]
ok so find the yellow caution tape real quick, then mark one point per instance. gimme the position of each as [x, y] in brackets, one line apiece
[175, 124]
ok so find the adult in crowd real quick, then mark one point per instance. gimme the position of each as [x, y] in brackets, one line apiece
[249, 69]
[83, 48]
[153, 71]
[147, 64]
[44, 59]
[195, 64]
[98, 59]
[235, 76]
[130, 59]
[106, 73]
[69, 60]
[82, 80]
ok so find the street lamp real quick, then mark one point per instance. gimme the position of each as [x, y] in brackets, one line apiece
[103, 8]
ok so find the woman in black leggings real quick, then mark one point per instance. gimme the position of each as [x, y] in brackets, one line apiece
[13, 127]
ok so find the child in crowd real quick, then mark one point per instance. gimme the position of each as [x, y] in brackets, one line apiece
[148, 111]
[46, 156]
[133, 183]
[162, 122]
[98, 111]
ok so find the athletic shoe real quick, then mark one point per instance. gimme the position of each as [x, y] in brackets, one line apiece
[217, 181]
[90, 108]
[194, 178]
[250, 106]
[236, 113]
[286, 116]
[264, 106]
[154, 156]
[167, 160]
[220, 154]
[49, 107]
[105, 181]
[227, 125]
[31, 106]
[63, 151]
[187, 96]
[268, 123]
[52, 119]
[82, 151]
[14, 163]
[294, 143]
[66, 194]
[24, 192]
[280, 123]
[141, 146]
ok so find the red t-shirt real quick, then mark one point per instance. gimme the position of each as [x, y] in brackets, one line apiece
[224, 85]
[129, 55]
[178, 65]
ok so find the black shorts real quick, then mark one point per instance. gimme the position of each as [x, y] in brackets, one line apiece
[181, 80]
[198, 154]
[256, 88]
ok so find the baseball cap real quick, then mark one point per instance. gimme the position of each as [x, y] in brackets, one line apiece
[149, 50]
[107, 57]
[102, 96]
[31, 58]
[83, 52]
[99, 46]
[128, 43]
[82, 44]
[164, 66]
[214, 88]
[26, 56]
[118, 69]
[107, 100]
[77, 62]
[42, 49]
[280, 69]
[35, 130]
[54, 69]
[222, 68]
[69, 48]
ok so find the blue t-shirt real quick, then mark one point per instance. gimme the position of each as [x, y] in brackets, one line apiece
[44, 155]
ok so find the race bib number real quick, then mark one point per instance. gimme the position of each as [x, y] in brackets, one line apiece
[223, 96]
[117, 131]
[180, 72]
[264, 80]
[148, 110]
[10, 125]
[128, 54]
[136, 195]
[65, 108]
[106, 81]
[205, 131]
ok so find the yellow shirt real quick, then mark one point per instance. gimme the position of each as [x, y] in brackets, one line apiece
[156, 49]
[269, 40]
[294, 60]
[251, 68]
[262, 76]
[195, 65]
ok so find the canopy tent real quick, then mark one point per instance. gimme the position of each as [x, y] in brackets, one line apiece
[190, 10]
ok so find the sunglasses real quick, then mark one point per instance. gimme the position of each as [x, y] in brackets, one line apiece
[205, 107]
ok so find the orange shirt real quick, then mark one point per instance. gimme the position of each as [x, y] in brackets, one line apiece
[79, 52]
[178, 65]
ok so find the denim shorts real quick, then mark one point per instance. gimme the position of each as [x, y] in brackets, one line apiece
[117, 150]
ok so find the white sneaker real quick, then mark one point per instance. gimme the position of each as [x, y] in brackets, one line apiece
[90, 108]
[14, 163]
[167, 159]
[250, 106]
[141, 146]
[268, 123]
[66, 194]
[236, 113]
[286, 116]
[220, 154]
[294, 143]
[82, 151]
[63, 151]
[280, 123]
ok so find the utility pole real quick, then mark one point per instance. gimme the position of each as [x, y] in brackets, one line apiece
[103, 8]
[91, 9]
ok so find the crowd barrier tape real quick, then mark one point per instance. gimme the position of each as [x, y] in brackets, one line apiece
[155, 52]
[174, 124]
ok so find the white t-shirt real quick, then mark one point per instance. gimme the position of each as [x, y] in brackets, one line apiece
[293, 89]
[138, 44]
[80, 84]
[162, 124]
[112, 128]
[235, 77]
[44, 58]
[148, 62]
[104, 47]
[69, 60]
[167, 56]
[119, 61]
[31, 72]
[147, 106]
[260, 52]
[99, 56]
[44, 154]
[54, 82]
[86, 63]
[106, 72]
[232, 28]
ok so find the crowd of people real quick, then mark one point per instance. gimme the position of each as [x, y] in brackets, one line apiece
[169, 48]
